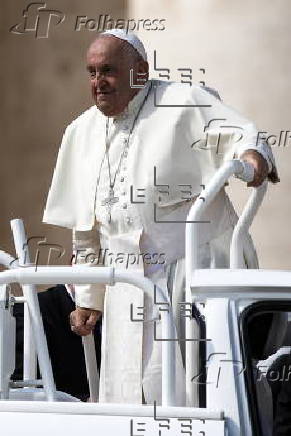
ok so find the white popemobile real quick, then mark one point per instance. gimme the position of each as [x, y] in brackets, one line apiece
[224, 397]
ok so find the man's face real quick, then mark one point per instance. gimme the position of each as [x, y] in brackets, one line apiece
[109, 61]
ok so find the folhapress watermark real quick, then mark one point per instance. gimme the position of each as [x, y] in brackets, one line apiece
[106, 22]
[38, 20]
[282, 139]
[107, 258]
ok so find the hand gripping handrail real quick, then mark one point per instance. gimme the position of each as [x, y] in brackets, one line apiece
[83, 275]
[244, 171]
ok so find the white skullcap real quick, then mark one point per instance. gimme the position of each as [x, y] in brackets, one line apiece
[130, 37]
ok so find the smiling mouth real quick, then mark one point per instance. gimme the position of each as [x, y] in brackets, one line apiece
[103, 93]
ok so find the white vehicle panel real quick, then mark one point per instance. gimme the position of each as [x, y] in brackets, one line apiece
[46, 424]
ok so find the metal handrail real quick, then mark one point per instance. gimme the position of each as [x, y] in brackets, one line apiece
[243, 225]
[82, 275]
[244, 171]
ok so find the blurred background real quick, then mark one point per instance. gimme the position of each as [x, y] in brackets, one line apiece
[240, 48]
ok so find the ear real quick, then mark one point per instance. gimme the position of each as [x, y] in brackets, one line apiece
[143, 67]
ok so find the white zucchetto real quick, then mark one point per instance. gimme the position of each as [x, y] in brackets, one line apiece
[130, 37]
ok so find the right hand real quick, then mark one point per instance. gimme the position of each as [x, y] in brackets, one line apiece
[83, 320]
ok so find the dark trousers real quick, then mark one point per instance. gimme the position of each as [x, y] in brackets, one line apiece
[65, 347]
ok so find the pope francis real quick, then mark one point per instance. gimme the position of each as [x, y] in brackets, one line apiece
[128, 170]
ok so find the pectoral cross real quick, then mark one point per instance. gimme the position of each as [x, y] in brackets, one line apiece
[109, 202]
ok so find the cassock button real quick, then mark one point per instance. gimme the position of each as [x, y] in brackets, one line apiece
[129, 220]
[122, 179]
[125, 153]
[124, 206]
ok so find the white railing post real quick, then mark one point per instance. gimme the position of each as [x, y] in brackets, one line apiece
[34, 335]
[244, 171]
[243, 225]
[91, 366]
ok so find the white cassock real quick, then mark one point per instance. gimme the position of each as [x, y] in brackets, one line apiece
[173, 150]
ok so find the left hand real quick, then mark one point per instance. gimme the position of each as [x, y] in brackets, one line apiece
[259, 164]
[83, 320]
